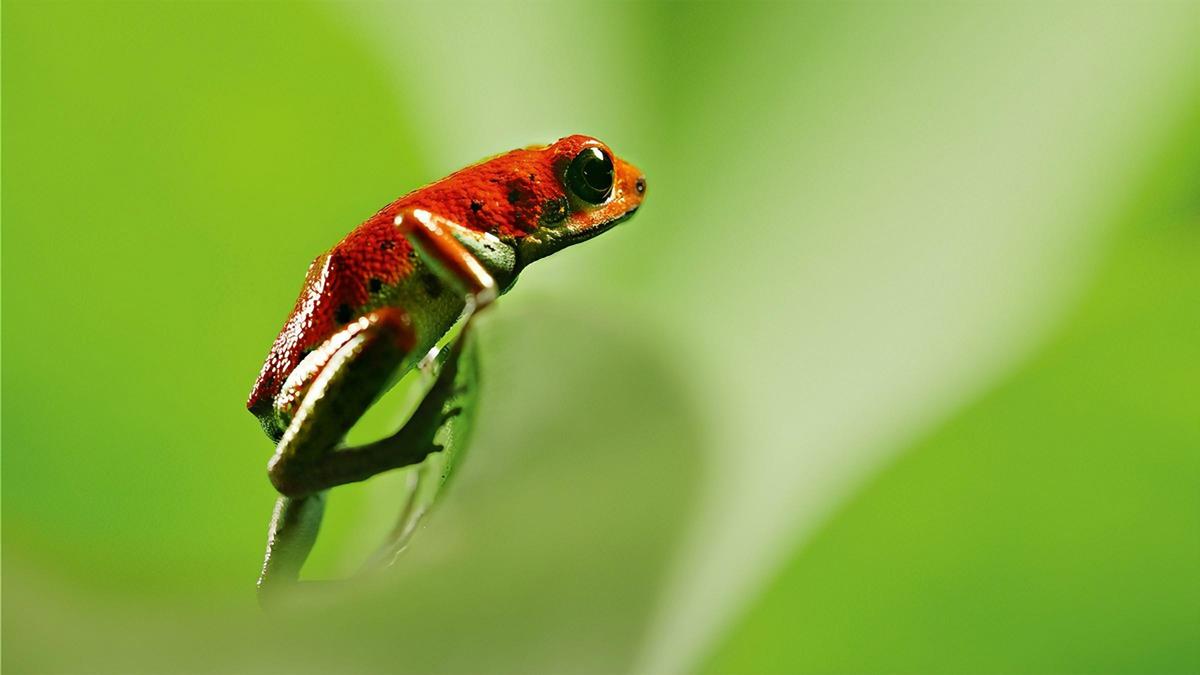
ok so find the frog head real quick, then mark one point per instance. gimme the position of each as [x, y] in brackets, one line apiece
[591, 191]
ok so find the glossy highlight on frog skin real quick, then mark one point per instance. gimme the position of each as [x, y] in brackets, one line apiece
[375, 306]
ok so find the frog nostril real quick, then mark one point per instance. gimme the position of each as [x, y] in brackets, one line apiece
[640, 185]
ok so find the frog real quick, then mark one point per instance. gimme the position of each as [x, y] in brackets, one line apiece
[383, 301]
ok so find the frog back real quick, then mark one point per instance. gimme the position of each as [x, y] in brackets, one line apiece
[373, 267]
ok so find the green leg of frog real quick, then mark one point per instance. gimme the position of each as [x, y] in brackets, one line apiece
[297, 518]
[292, 533]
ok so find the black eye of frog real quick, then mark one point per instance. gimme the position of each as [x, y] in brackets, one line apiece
[590, 175]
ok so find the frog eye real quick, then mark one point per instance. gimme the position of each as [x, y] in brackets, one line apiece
[590, 175]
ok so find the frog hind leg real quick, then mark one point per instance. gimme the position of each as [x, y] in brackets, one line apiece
[353, 369]
[290, 537]
[322, 400]
[297, 517]
[356, 365]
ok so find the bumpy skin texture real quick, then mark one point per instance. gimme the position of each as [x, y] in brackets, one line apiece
[519, 197]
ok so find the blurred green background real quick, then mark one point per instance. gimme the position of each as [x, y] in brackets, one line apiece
[898, 370]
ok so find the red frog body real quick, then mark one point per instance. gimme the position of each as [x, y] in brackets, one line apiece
[520, 201]
[376, 304]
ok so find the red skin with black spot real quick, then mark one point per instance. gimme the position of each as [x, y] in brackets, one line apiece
[508, 192]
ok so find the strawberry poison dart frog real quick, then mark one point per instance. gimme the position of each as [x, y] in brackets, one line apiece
[376, 305]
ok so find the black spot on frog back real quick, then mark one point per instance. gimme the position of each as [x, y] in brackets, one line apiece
[554, 211]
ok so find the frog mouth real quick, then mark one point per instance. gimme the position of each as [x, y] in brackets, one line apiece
[584, 235]
[531, 248]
